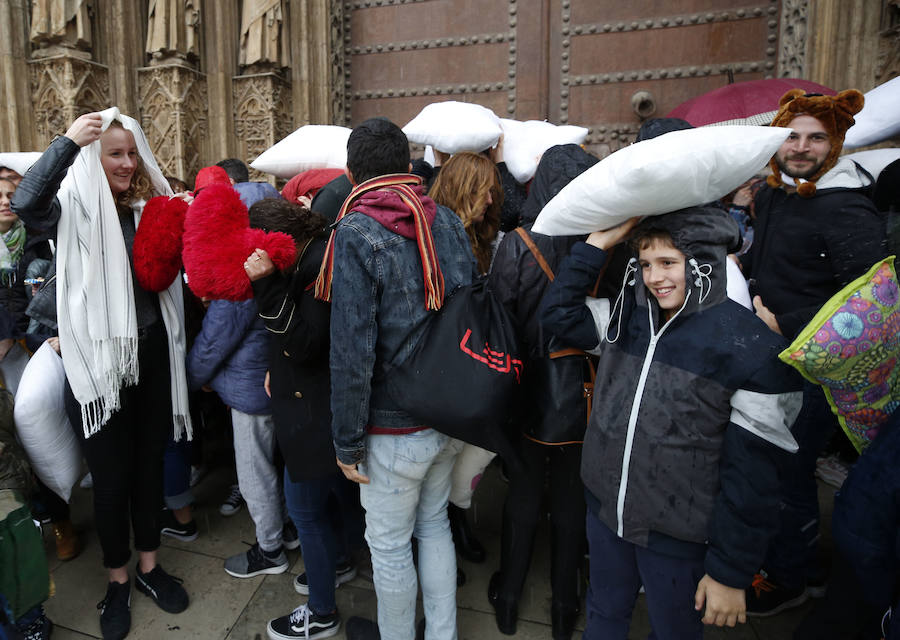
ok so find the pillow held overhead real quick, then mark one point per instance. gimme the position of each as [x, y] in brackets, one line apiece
[525, 142]
[312, 146]
[676, 170]
[879, 119]
[453, 126]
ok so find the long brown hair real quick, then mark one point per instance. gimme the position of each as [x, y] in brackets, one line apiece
[141, 186]
[463, 185]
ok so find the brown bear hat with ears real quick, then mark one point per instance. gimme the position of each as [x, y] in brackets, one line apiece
[836, 115]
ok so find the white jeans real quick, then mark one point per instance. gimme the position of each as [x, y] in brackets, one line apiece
[254, 450]
[407, 496]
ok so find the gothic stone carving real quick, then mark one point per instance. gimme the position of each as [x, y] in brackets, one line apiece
[173, 116]
[61, 25]
[63, 88]
[264, 36]
[792, 58]
[262, 115]
[340, 72]
[888, 65]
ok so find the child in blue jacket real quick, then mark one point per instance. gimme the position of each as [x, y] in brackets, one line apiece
[691, 411]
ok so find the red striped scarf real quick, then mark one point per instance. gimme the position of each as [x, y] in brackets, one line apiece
[400, 184]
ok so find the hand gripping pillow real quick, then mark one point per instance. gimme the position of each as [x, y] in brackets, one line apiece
[157, 242]
[217, 241]
[312, 146]
[42, 424]
[452, 127]
[525, 142]
[851, 348]
[879, 119]
[676, 170]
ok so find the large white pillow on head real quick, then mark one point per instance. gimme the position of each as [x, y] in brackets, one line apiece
[19, 161]
[453, 126]
[875, 160]
[880, 117]
[312, 146]
[676, 170]
[525, 142]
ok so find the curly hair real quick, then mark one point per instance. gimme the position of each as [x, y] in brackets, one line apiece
[141, 187]
[463, 185]
[277, 214]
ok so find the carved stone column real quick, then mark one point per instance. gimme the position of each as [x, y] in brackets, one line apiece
[16, 121]
[173, 114]
[262, 115]
[311, 68]
[843, 43]
[62, 88]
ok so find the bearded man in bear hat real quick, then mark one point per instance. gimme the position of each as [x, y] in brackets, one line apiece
[816, 230]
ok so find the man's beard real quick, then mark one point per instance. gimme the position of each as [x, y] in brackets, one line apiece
[805, 174]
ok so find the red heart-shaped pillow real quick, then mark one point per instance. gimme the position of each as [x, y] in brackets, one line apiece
[157, 243]
[217, 241]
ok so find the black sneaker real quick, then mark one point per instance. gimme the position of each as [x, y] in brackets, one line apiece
[169, 526]
[289, 537]
[115, 611]
[767, 598]
[254, 562]
[304, 623]
[344, 572]
[165, 590]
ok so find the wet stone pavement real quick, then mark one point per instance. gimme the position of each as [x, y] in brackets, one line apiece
[229, 608]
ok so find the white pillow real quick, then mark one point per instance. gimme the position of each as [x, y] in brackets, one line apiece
[525, 142]
[875, 160]
[452, 127]
[43, 427]
[312, 146]
[673, 171]
[880, 117]
[19, 161]
[736, 285]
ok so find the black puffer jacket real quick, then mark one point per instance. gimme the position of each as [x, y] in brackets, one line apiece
[14, 298]
[682, 446]
[298, 359]
[554, 408]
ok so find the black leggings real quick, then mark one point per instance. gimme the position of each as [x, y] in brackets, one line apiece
[522, 512]
[126, 456]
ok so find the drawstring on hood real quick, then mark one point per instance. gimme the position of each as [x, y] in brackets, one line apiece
[630, 268]
[703, 272]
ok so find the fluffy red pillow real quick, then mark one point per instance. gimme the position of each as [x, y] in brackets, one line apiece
[157, 243]
[217, 241]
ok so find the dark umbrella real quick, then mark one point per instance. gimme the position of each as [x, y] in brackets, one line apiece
[753, 102]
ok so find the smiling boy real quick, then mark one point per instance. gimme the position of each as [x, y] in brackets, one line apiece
[691, 410]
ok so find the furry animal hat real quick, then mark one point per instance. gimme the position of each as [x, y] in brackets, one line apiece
[836, 115]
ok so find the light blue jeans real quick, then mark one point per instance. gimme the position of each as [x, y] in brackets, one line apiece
[407, 496]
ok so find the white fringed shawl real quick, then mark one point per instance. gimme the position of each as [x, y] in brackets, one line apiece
[95, 299]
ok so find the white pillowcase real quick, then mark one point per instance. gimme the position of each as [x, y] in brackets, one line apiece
[19, 161]
[880, 117]
[42, 423]
[452, 127]
[312, 146]
[525, 142]
[875, 160]
[676, 170]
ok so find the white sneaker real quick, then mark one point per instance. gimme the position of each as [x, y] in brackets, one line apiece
[233, 502]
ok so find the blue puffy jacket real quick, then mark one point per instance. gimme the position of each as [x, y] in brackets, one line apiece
[231, 355]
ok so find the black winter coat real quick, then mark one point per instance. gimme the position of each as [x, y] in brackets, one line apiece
[300, 378]
[806, 249]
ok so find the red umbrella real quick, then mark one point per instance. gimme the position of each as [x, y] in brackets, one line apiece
[753, 102]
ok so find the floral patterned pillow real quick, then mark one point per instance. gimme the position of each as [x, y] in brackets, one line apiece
[851, 348]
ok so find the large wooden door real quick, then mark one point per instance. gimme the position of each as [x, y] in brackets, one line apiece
[602, 64]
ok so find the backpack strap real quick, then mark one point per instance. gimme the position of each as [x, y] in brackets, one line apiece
[541, 260]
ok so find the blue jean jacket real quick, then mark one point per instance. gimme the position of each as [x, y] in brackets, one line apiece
[378, 314]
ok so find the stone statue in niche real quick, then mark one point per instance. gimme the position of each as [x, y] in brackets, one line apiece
[172, 30]
[61, 26]
[264, 37]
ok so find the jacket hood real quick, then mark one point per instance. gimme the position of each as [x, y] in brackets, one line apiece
[558, 167]
[705, 235]
[253, 192]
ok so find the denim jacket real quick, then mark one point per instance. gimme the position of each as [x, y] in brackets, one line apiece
[378, 314]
